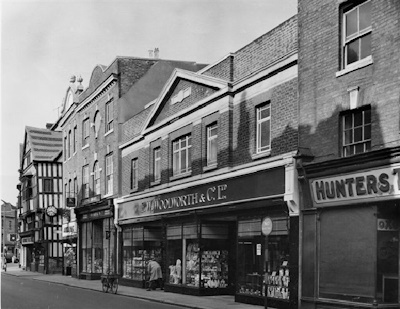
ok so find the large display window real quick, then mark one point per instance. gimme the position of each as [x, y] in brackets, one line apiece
[263, 261]
[198, 256]
[139, 245]
[98, 243]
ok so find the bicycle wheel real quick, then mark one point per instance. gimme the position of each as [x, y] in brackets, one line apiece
[114, 286]
[104, 284]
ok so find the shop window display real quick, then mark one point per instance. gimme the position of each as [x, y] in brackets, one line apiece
[174, 261]
[192, 263]
[139, 245]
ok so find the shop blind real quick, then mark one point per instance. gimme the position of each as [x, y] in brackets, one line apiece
[152, 234]
[137, 234]
[190, 231]
[248, 228]
[214, 231]
[347, 253]
[279, 226]
[174, 232]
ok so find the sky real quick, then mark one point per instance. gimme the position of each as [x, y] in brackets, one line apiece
[44, 42]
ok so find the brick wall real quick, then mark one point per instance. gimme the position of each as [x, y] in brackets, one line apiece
[222, 69]
[323, 96]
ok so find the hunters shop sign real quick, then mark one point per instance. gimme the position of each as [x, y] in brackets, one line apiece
[256, 185]
[383, 183]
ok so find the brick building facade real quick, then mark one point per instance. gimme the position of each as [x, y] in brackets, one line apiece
[349, 83]
[206, 165]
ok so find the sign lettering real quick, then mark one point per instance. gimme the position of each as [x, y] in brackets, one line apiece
[379, 183]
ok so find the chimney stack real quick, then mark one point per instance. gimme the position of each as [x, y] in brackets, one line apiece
[156, 52]
[150, 53]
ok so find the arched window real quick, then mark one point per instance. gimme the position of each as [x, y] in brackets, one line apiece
[96, 178]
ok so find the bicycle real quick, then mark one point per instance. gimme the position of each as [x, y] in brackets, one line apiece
[109, 281]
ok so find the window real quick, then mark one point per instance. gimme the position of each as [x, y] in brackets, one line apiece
[71, 144]
[134, 174]
[75, 186]
[96, 178]
[263, 128]
[75, 140]
[157, 164]
[212, 144]
[85, 181]
[109, 174]
[9, 225]
[109, 115]
[47, 185]
[181, 149]
[356, 132]
[65, 147]
[85, 130]
[356, 38]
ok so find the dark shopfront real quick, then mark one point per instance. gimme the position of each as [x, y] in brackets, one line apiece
[351, 239]
[97, 238]
[209, 239]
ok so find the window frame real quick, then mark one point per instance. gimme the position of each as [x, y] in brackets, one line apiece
[259, 122]
[109, 174]
[85, 131]
[75, 139]
[134, 183]
[157, 164]
[347, 40]
[96, 178]
[177, 150]
[363, 127]
[85, 181]
[212, 139]
[110, 115]
[48, 185]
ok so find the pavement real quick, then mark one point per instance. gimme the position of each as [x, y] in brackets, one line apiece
[186, 301]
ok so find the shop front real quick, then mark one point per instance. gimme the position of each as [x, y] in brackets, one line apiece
[228, 236]
[351, 239]
[96, 245]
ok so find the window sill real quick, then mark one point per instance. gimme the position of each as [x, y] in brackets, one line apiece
[155, 183]
[260, 155]
[86, 146]
[355, 66]
[108, 132]
[210, 167]
[179, 176]
[108, 195]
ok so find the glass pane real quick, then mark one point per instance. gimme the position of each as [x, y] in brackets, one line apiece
[183, 161]
[351, 23]
[264, 112]
[348, 137]
[213, 151]
[365, 46]
[359, 148]
[367, 146]
[365, 15]
[183, 143]
[367, 132]
[348, 122]
[352, 51]
[358, 119]
[175, 162]
[358, 134]
[265, 134]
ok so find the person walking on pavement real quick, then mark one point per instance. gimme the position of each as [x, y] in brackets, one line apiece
[4, 262]
[154, 270]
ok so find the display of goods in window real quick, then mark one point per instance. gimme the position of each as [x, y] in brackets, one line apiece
[214, 269]
[278, 283]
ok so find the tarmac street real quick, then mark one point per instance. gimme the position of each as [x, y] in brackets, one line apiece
[22, 289]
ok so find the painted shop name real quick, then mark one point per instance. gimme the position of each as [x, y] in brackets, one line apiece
[216, 193]
[380, 183]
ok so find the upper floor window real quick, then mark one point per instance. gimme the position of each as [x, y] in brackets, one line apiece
[356, 132]
[71, 144]
[75, 139]
[47, 185]
[356, 37]
[109, 174]
[109, 115]
[134, 173]
[66, 147]
[157, 164]
[212, 144]
[85, 181]
[96, 178]
[181, 152]
[263, 142]
[85, 132]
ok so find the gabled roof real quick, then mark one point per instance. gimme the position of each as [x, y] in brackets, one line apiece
[187, 75]
[46, 145]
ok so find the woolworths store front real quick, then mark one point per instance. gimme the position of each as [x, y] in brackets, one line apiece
[224, 236]
[351, 236]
